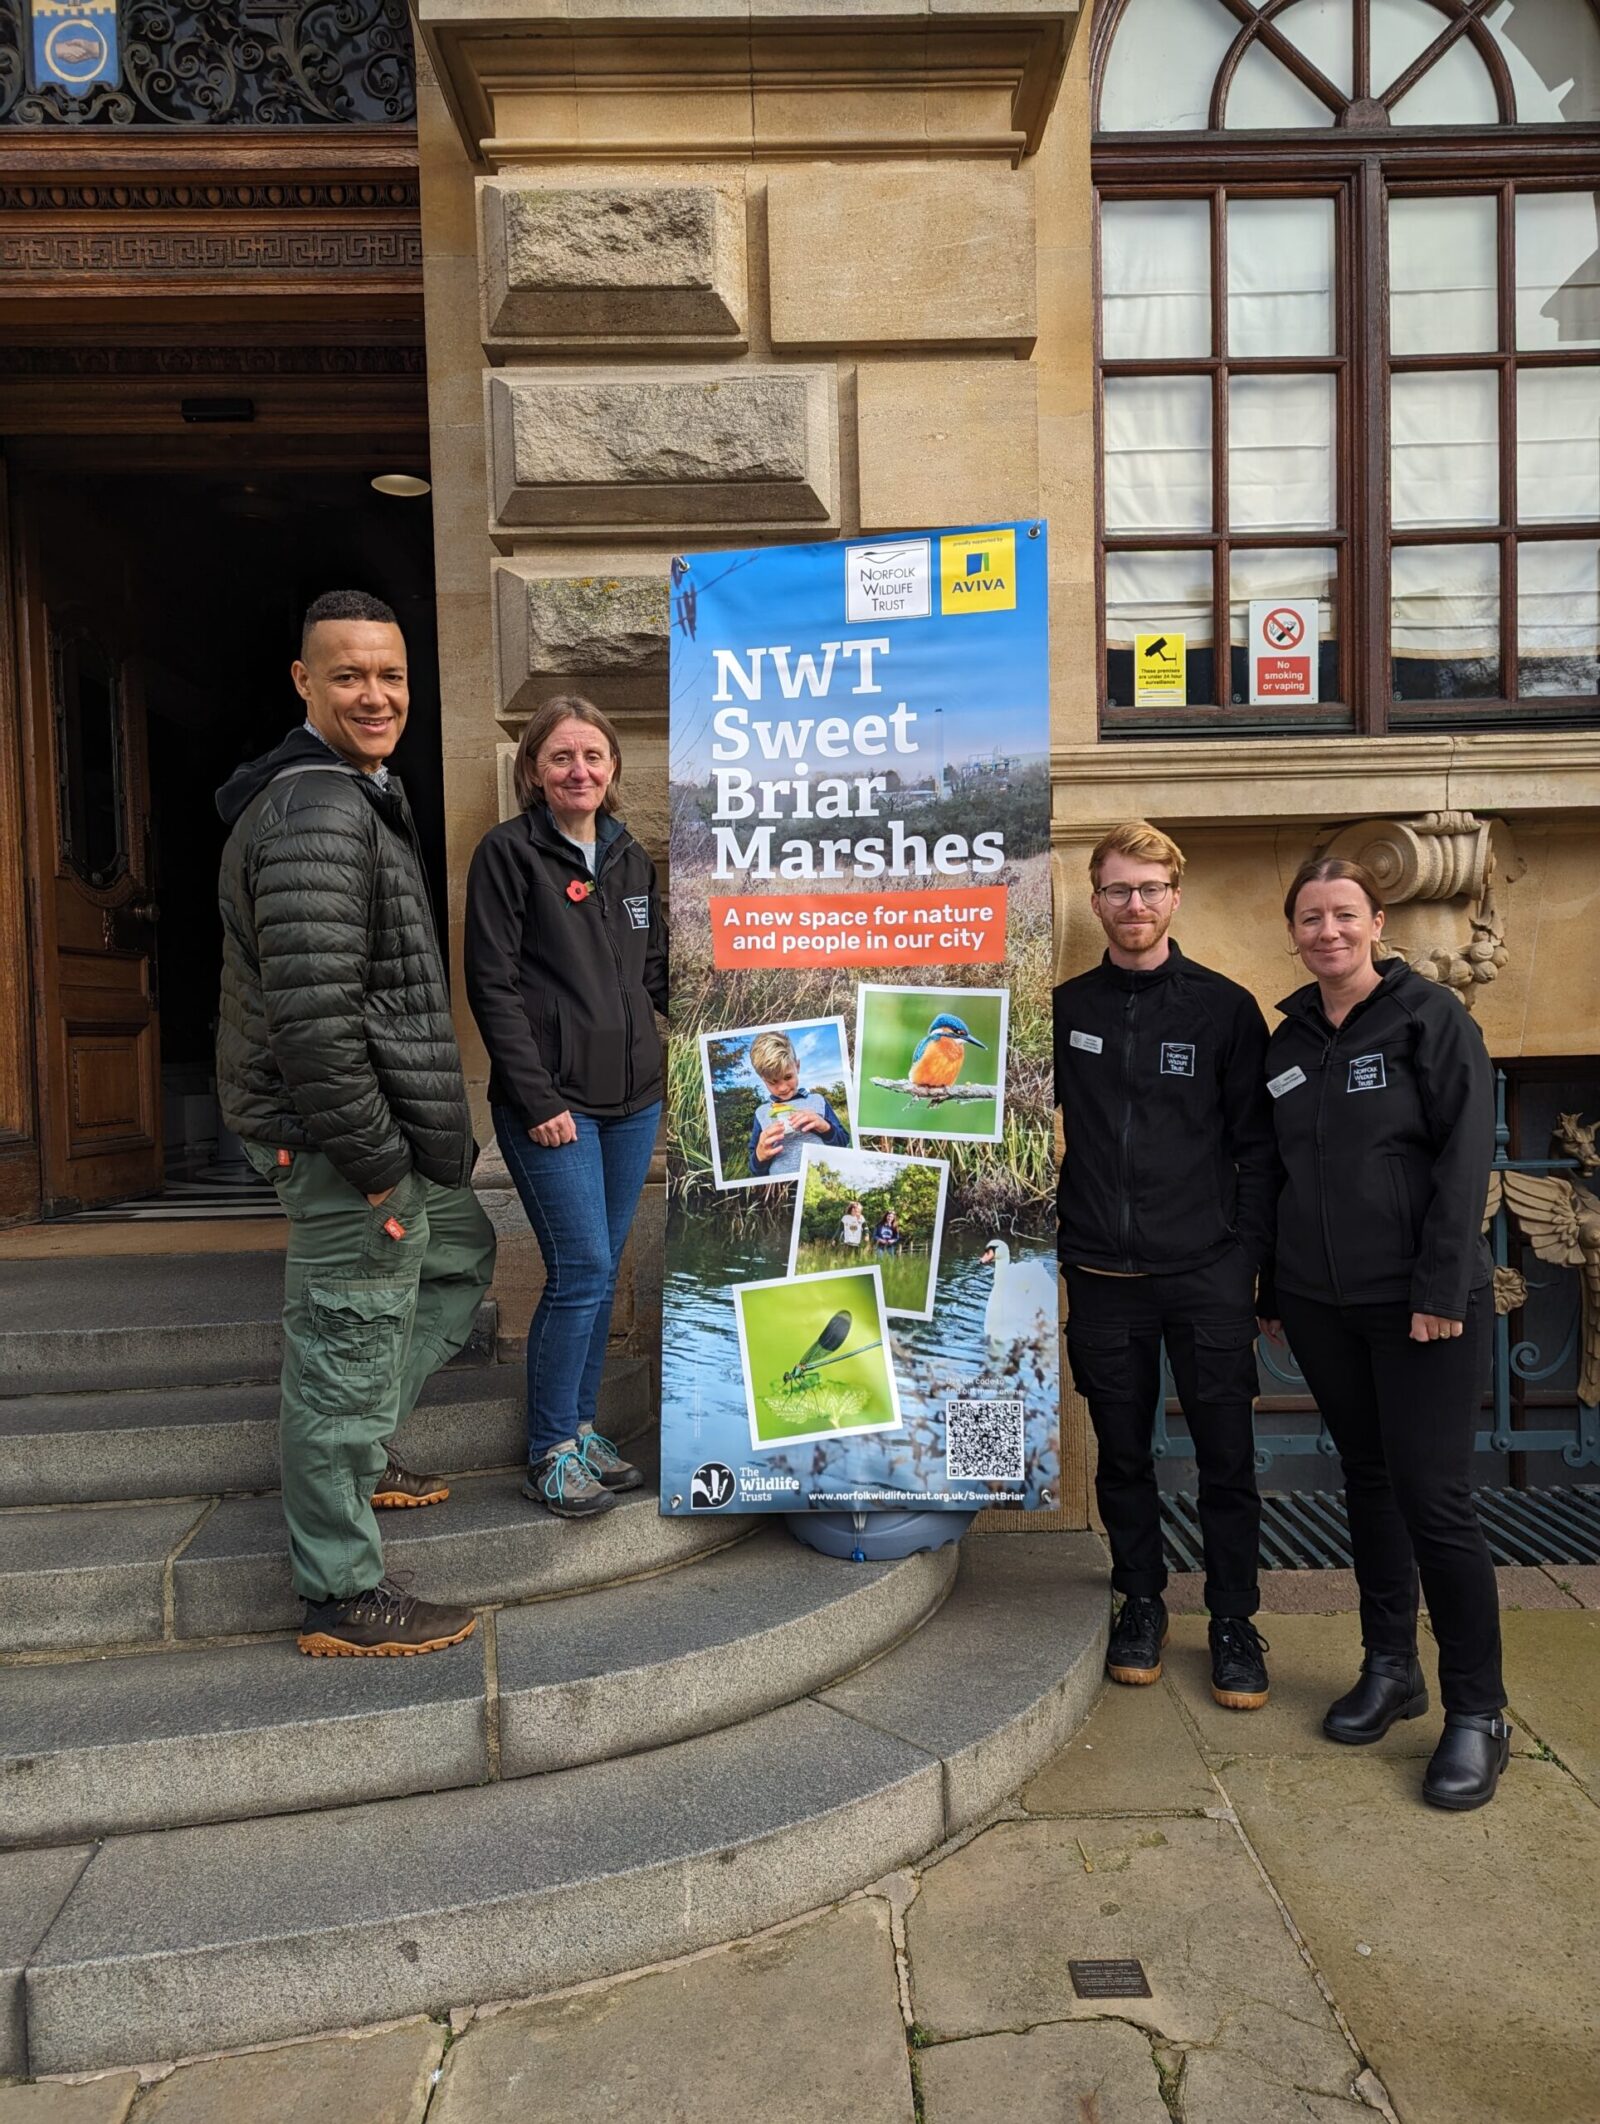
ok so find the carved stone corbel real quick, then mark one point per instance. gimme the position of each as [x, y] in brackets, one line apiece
[1437, 875]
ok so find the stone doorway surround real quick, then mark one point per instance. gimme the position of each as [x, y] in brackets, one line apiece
[707, 273]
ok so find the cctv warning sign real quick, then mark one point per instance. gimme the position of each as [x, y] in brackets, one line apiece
[1160, 670]
[1283, 649]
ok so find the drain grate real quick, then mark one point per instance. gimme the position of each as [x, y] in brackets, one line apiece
[1306, 1530]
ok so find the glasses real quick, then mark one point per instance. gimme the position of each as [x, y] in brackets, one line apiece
[1152, 894]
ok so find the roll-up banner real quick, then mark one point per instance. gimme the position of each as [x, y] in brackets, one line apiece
[859, 1310]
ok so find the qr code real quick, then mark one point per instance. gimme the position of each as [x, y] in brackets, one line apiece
[983, 1441]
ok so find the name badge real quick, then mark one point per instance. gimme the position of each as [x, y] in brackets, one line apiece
[638, 906]
[1177, 1058]
[1367, 1074]
[1091, 1043]
[1287, 1082]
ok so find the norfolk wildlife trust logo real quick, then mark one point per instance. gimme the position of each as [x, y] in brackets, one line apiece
[892, 580]
[978, 572]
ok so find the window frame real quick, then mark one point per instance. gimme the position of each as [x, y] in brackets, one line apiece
[1363, 164]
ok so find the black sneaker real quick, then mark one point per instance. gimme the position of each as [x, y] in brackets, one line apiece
[1137, 1635]
[385, 1623]
[1238, 1668]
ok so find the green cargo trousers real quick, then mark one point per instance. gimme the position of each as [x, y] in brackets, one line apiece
[374, 1301]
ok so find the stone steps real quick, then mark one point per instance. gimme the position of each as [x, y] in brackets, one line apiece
[194, 1938]
[88, 1448]
[75, 1327]
[114, 1576]
[93, 1747]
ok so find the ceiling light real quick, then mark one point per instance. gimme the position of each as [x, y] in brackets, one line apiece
[401, 483]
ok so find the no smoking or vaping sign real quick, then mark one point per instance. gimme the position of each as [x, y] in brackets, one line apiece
[1283, 649]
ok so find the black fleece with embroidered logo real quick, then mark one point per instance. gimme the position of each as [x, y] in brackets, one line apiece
[1385, 1130]
[565, 972]
[1169, 1156]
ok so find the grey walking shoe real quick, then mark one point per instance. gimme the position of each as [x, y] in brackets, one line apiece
[564, 1483]
[604, 1462]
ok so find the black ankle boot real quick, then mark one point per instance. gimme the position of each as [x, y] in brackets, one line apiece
[1390, 1687]
[1467, 1763]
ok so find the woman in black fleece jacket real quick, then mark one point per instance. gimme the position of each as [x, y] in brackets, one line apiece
[1383, 1104]
[566, 965]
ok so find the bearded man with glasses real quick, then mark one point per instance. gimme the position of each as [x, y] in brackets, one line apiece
[1165, 1209]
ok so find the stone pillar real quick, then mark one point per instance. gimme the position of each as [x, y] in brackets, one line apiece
[743, 270]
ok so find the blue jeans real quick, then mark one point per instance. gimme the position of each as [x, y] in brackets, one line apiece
[580, 1200]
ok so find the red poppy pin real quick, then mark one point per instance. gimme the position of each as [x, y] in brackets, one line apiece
[579, 890]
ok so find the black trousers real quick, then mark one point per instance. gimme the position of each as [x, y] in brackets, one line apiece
[1403, 1414]
[1115, 1328]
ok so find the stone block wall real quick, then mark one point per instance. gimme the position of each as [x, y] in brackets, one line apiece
[692, 285]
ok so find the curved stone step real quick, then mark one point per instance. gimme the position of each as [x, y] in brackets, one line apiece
[487, 1543]
[145, 1444]
[242, 1932]
[643, 1665]
[94, 1747]
[160, 1321]
[108, 1576]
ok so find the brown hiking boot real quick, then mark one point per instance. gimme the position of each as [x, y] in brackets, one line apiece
[399, 1485]
[386, 1623]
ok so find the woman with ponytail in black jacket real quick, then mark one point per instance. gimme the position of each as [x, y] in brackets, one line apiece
[1383, 1104]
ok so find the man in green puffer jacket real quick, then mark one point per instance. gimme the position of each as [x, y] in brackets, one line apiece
[337, 1066]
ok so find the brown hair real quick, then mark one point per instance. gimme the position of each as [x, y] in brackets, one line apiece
[1320, 870]
[564, 708]
[1144, 843]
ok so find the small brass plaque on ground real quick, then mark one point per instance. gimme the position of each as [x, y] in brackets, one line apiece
[1110, 1980]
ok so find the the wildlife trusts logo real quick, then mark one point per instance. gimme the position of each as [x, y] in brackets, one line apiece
[893, 580]
[711, 1485]
[978, 572]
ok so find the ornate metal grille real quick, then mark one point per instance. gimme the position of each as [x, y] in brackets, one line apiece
[219, 62]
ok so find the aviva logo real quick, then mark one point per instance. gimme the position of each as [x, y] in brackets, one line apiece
[978, 572]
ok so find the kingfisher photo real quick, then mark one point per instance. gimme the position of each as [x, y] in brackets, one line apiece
[931, 1061]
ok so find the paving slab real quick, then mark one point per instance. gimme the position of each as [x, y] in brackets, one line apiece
[804, 2026]
[88, 1577]
[1312, 1660]
[635, 1666]
[244, 1932]
[1529, 1586]
[1462, 1948]
[488, 1543]
[1136, 1754]
[104, 2101]
[33, 1887]
[1022, 1601]
[90, 1747]
[1582, 1581]
[372, 2079]
[995, 1925]
[1077, 2073]
[1217, 2089]
[1552, 1668]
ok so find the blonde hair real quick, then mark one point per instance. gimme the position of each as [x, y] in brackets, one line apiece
[772, 1055]
[1141, 841]
[566, 707]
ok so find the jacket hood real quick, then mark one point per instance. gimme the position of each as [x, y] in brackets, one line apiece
[246, 783]
[1307, 1002]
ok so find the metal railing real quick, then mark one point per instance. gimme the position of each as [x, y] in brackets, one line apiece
[1577, 1441]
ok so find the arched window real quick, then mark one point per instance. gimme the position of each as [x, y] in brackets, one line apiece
[1349, 348]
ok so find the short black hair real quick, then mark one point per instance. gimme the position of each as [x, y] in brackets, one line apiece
[345, 605]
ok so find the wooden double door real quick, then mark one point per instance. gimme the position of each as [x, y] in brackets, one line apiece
[88, 859]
